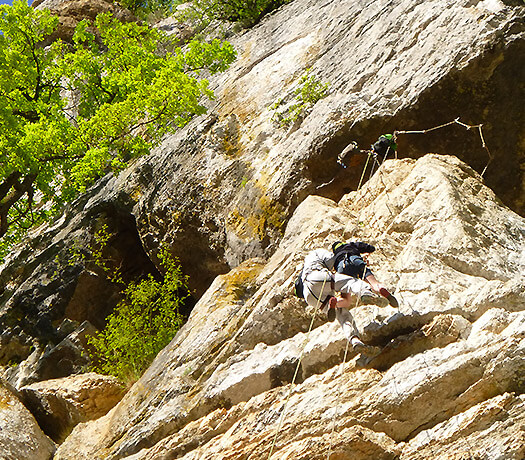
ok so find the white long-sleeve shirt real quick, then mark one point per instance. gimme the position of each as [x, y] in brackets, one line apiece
[318, 259]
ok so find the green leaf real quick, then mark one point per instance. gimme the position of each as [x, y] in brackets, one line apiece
[69, 115]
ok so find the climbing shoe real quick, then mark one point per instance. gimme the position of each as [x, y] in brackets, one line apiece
[332, 305]
[391, 299]
[357, 345]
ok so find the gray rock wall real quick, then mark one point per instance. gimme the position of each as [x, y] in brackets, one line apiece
[223, 190]
[451, 365]
[399, 65]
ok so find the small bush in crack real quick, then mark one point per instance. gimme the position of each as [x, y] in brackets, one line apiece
[143, 323]
[310, 90]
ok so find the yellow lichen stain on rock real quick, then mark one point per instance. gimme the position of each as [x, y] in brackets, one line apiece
[240, 282]
[5, 402]
[268, 214]
[232, 147]
[136, 194]
[237, 223]
[272, 213]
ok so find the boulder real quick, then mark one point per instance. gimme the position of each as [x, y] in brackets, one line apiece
[60, 404]
[222, 385]
[20, 435]
[71, 12]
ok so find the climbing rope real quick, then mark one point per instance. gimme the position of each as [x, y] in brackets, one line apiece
[467, 127]
[379, 168]
[336, 409]
[281, 418]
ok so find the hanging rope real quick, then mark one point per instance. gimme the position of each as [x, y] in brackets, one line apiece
[405, 301]
[279, 427]
[379, 165]
[281, 418]
[336, 409]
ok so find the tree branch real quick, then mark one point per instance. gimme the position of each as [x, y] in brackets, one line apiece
[29, 115]
[12, 194]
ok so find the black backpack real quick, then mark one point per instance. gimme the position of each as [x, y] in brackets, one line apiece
[385, 144]
[299, 287]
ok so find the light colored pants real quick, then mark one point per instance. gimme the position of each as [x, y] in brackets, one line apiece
[346, 320]
[317, 286]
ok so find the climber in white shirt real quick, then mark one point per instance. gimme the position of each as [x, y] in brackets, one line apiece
[320, 288]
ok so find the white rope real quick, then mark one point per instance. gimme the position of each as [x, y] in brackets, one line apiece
[468, 127]
[281, 418]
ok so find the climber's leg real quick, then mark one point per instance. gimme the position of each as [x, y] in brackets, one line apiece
[380, 289]
[346, 320]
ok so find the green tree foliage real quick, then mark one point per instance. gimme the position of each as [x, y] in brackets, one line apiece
[249, 11]
[143, 323]
[142, 8]
[246, 12]
[69, 114]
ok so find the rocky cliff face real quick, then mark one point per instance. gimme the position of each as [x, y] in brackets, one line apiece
[390, 65]
[450, 374]
[233, 189]
[222, 189]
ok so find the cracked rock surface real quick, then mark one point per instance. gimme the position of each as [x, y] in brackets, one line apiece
[451, 369]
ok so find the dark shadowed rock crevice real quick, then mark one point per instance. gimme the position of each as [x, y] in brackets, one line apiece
[487, 91]
[67, 294]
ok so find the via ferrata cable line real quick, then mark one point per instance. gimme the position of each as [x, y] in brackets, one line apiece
[466, 126]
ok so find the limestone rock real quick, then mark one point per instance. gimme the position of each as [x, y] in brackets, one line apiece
[493, 428]
[60, 404]
[222, 189]
[71, 12]
[20, 436]
[220, 388]
[232, 185]
[402, 66]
